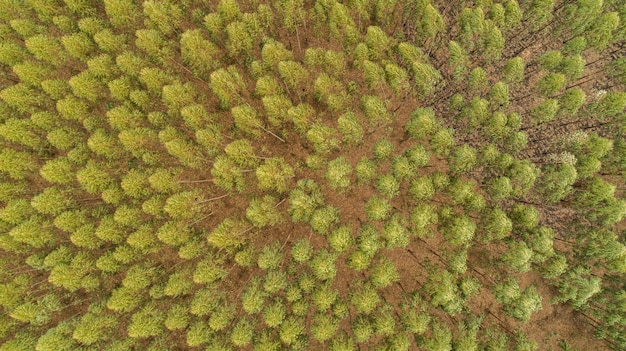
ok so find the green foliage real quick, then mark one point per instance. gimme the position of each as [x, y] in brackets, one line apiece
[497, 225]
[397, 78]
[374, 75]
[518, 256]
[463, 159]
[56, 338]
[499, 95]
[573, 67]
[246, 119]
[382, 149]
[513, 71]
[110, 42]
[418, 156]
[375, 110]
[477, 79]
[23, 98]
[364, 298]
[477, 111]
[362, 329]
[47, 48]
[153, 43]
[270, 257]
[323, 138]
[19, 342]
[197, 334]
[524, 216]
[264, 212]
[358, 260]
[556, 181]
[175, 96]
[442, 141]
[368, 240]
[518, 303]
[268, 86]
[426, 77]
[276, 108]
[388, 185]
[571, 101]
[440, 340]
[383, 273]
[293, 74]
[342, 343]
[324, 326]
[274, 314]
[53, 200]
[228, 234]
[577, 288]
[121, 14]
[444, 292]
[253, 297]
[275, 281]
[291, 329]
[460, 231]
[32, 73]
[93, 328]
[274, 174]
[395, 232]
[36, 313]
[323, 265]
[551, 84]
[500, 188]
[338, 173]
[17, 164]
[274, 52]
[350, 127]
[226, 84]
[242, 332]
[377, 209]
[550, 60]
[422, 216]
[601, 32]
[123, 123]
[105, 144]
[611, 104]
[331, 92]
[324, 297]
[59, 171]
[86, 85]
[412, 319]
[304, 200]
[301, 251]
[178, 284]
[17, 211]
[401, 168]
[469, 286]
[422, 188]
[365, 170]
[221, 317]
[341, 239]
[227, 175]
[146, 322]
[546, 111]
[184, 205]
[11, 53]
[458, 58]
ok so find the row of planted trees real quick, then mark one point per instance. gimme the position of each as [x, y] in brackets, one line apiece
[219, 175]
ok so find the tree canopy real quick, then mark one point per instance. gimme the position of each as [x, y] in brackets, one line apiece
[312, 175]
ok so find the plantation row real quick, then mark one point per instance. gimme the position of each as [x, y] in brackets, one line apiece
[371, 175]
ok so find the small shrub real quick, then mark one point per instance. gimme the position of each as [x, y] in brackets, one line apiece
[377, 209]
